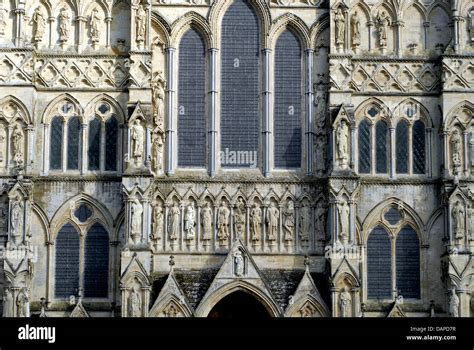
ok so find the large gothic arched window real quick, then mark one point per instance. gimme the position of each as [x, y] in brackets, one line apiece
[379, 265]
[67, 262]
[192, 101]
[240, 52]
[288, 101]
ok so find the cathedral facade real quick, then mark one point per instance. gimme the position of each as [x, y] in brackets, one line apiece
[284, 158]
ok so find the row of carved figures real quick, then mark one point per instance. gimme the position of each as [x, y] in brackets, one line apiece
[222, 217]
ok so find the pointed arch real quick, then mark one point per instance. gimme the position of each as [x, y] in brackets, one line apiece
[162, 24]
[50, 113]
[89, 110]
[321, 24]
[453, 118]
[24, 116]
[206, 305]
[190, 20]
[289, 21]
[219, 9]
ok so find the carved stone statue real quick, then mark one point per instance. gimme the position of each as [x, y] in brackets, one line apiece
[171, 311]
[158, 222]
[383, 21]
[342, 144]
[345, 303]
[17, 221]
[305, 222]
[39, 25]
[272, 221]
[239, 264]
[94, 24]
[3, 20]
[308, 310]
[7, 303]
[157, 150]
[453, 304]
[158, 89]
[23, 303]
[320, 220]
[344, 213]
[137, 217]
[174, 222]
[320, 104]
[256, 227]
[289, 223]
[340, 29]
[239, 217]
[134, 303]
[320, 153]
[3, 138]
[355, 29]
[456, 147]
[18, 144]
[140, 18]
[138, 141]
[206, 216]
[190, 221]
[459, 227]
[223, 221]
[64, 24]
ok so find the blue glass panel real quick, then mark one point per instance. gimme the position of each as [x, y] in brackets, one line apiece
[73, 142]
[408, 263]
[402, 147]
[111, 141]
[192, 101]
[393, 216]
[381, 145]
[93, 153]
[288, 101]
[56, 144]
[83, 213]
[96, 268]
[419, 148]
[379, 265]
[67, 262]
[240, 116]
[365, 141]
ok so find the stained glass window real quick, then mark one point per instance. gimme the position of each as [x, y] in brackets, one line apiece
[381, 146]
[402, 147]
[365, 141]
[73, 142]
[419, 148]
[67, 262]
[111, 141]
[379, 265]
[93, 153]
[56, 144]
[408, 263]
[96, 266]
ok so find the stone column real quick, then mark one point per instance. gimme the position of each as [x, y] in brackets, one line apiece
[426, 28]
[353, 154]
[445, 135]
[465, 150]
[8, 157]
[410, 150]
[45, 149]
[84, 157]
[148, 148]
[146, 227]
[213, 112]
[334, 301]
[309, 111]
[102, 146]
[399, 26]
[51, 21]
[267, 112]
[108, 21]
[352, 230]
[429, 144]
[392, 159]
[20, 14]
[457, 20]
[370, 24]
[82, 34]
[170, 118]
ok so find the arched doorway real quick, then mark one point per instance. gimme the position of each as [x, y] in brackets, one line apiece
[239, 305]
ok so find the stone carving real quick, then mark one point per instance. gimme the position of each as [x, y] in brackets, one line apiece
[18, 144]
[320, 220]
[39, 25]
[239, 263]
[3, 19]
[344, 214]
[308, 310]
[64, 24]
[174, 222]
[272, 221]
[138, 142]
[190, 222]
[3, 137]
[134, 303]
[305, 222]
[94, 24]
[321, 107]
[340, 29]
[157, 151]
[382, 23]
[453, 304]
[158, 222]
[7, 303]
[239, 217]
[289, 223]
[256, 219]
[342, 142]
[345, 303]
[320, 153]
[223, 221]
[456, 146]
[171, 311]
[141, 17]
[136, 226]
[23, 303]
[207, 222]
[355, 30]
[17, 221]
[158, 90]
[459, 227]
